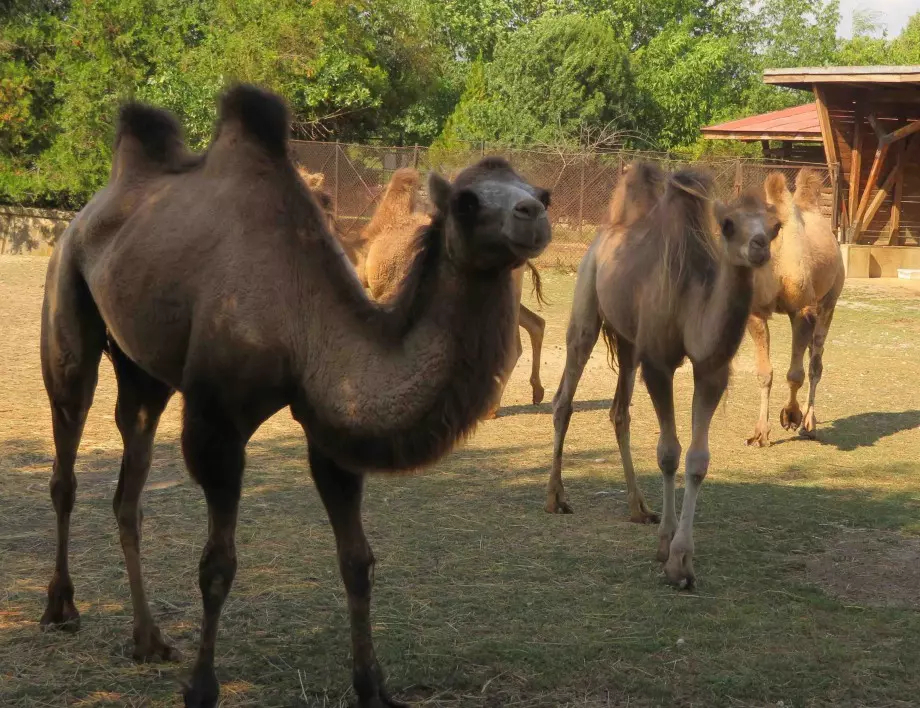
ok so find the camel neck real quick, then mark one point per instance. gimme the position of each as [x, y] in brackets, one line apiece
[723, 315]
[399, 400]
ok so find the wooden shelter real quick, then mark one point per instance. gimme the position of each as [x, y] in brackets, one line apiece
[870, 126]
[792, 134]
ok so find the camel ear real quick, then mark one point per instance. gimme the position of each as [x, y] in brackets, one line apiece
[439, 191]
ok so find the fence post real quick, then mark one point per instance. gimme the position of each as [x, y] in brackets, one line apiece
[482, 148]
[415, 157]
[581, 198]
[739, 178]
[335, 193]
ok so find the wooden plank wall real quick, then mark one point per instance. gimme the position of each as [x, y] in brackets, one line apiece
[891, 115]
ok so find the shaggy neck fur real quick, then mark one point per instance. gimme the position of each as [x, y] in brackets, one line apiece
[418, 379]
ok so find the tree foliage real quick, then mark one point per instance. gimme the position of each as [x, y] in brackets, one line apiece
[650, 72]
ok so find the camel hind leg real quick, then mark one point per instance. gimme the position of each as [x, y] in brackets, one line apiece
[141, 400]
[639, 512]
[816, 359]
[580, 338]
[535, 326]
[72, 340]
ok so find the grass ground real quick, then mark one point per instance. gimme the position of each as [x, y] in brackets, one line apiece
[807, 552]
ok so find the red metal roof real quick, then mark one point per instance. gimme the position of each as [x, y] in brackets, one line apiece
[797, 123]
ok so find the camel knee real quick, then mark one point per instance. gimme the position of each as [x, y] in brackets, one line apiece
[668, 456]
[697, 466]
[765, 378]
[796, 377]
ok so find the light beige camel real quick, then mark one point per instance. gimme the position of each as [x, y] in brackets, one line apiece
[215, 275]
[670, 278]
[804, 282]
[386, 247]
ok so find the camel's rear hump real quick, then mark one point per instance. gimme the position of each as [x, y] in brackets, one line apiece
[258, 115]
[808, 185]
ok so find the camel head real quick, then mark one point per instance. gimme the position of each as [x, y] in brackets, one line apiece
[748, 225]
[492, 218]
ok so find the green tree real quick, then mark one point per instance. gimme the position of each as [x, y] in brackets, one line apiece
[548, 82]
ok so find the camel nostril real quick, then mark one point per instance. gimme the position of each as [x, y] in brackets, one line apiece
[759, 241]
[528, 209]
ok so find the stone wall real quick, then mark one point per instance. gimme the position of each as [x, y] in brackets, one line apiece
[31, 231]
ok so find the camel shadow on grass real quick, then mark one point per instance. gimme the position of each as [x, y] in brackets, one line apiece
[863, 429]
[600, 404]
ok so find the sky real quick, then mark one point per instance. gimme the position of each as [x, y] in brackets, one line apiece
[893, 14]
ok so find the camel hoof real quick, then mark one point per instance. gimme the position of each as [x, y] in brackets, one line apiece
[809, 427]
[679, 570]
[760, 438]
[149, 646]
[791, 417]
[202, 692]
[645, 517]
[381, 700]
[538, 394]
[492, 414]
[60, 613]
[555, 505]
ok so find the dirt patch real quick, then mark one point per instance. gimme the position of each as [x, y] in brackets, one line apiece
[870, 567]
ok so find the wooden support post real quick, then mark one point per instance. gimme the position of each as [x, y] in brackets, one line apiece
[895, 222]
[335, 192]
[855, 164]
[739, 178]
[827, 133]
[901, 133]
[880, 154]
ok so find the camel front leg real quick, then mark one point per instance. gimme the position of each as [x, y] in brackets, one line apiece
[341, 493]
[708, 388]
[803, 327]
[660, 385]
[760, 335]
[214, 452]
[535, 326]
[639, 512]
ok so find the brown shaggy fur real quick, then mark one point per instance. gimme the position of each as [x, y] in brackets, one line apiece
[397, 205]
[217, 276]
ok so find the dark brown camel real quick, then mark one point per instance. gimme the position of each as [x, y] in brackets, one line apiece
[664, 287]
[216, 276]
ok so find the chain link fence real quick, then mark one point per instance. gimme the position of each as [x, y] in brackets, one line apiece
[581, 182]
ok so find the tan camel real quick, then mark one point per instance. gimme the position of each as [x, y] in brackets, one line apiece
[664, 286]
[804, 282]
[387, 245]
[215, 275]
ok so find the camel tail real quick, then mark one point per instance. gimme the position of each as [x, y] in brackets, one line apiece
[537, 283]
[808, 185]
[611, 341]
[147, 138]
[262, 116]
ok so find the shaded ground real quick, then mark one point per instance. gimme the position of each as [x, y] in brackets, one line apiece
[806, 551]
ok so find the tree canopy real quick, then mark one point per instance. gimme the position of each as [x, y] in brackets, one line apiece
[645, 73]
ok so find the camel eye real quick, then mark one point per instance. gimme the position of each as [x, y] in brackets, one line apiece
[543, 196]
[728, 227]
[466, 204]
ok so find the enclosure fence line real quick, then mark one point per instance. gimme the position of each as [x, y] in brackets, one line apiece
[581, 182]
